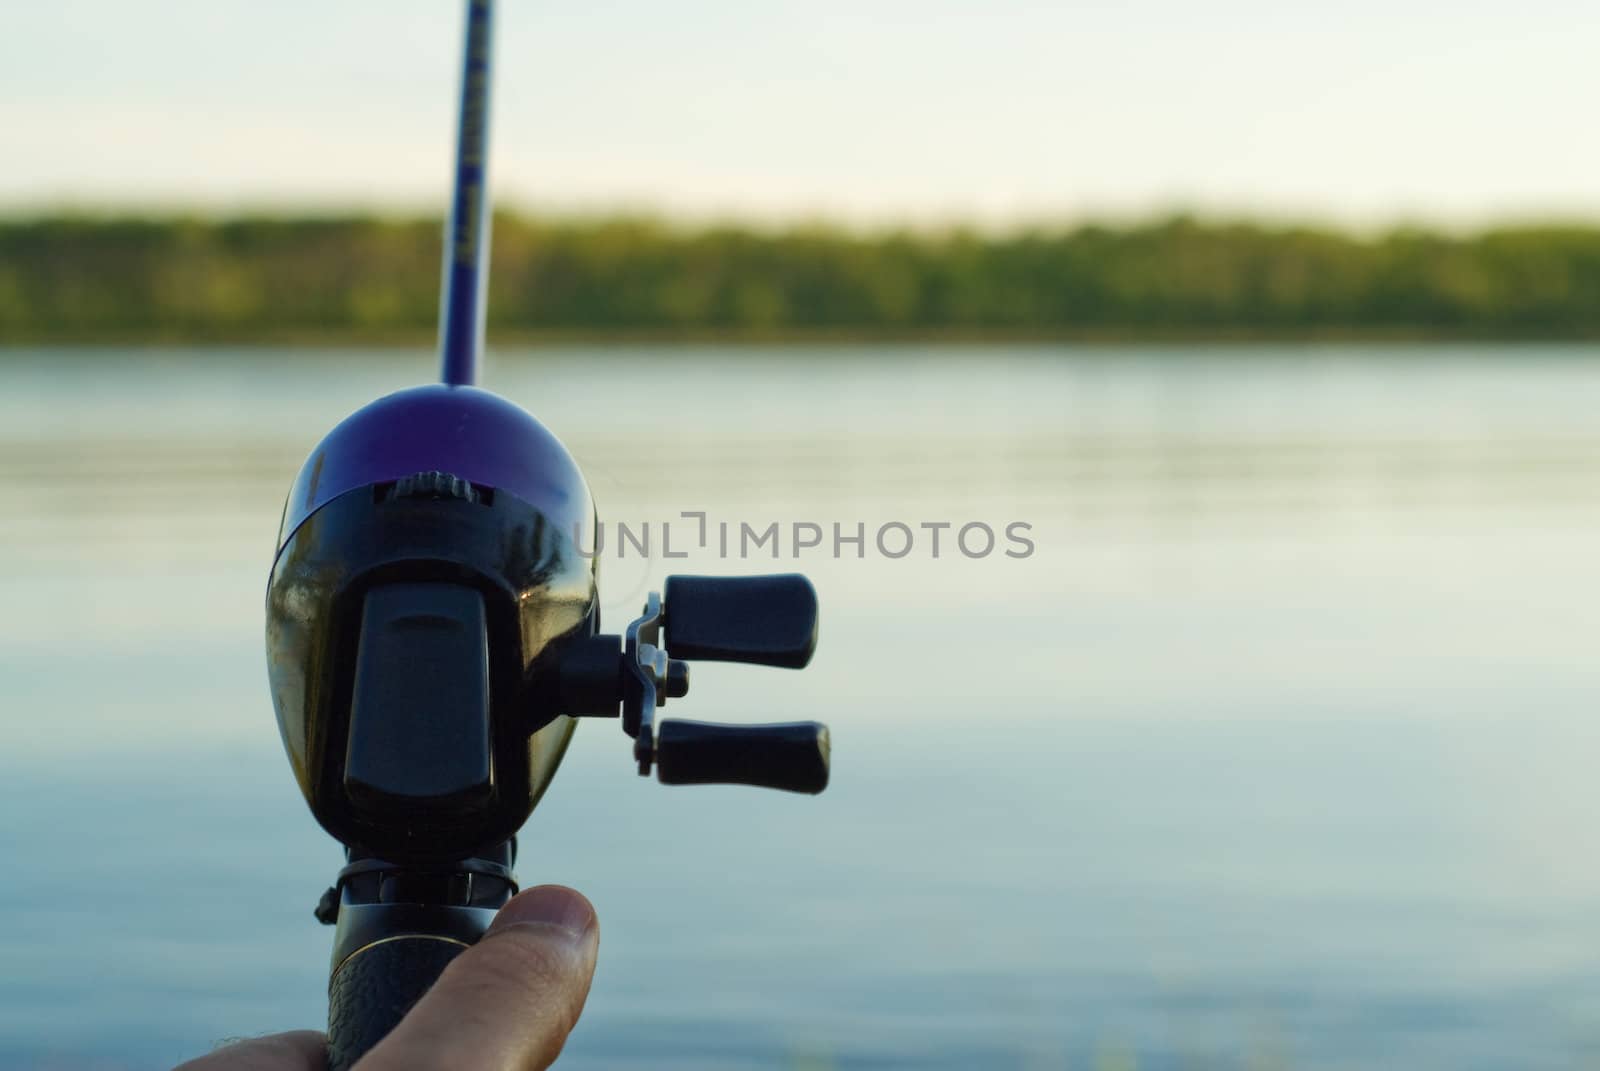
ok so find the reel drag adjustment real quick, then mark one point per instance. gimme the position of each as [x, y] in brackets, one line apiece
[761, 620]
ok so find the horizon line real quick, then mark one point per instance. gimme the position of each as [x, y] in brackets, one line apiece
[287, 210]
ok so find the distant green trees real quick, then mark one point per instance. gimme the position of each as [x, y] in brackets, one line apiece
[359, 278]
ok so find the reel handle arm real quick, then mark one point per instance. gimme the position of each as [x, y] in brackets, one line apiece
[765, 620]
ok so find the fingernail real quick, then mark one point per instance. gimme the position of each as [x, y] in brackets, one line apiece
[547, 905]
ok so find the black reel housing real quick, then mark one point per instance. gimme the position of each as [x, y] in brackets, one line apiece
[430, 641]
[404, 623]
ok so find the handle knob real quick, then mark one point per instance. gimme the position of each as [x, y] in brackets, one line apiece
[768, 620]
[792, 756]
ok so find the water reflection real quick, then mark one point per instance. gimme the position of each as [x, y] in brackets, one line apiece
[1278, 749]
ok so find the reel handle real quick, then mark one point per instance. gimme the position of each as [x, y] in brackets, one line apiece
[792, 756]
[765, 620]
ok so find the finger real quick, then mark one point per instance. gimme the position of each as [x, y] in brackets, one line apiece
[299, 1050]
[509, 1002]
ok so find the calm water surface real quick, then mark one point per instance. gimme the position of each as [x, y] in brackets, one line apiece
[1277, 752]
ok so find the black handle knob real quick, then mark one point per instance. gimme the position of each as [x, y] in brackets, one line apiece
[768, 620]
[792, 756]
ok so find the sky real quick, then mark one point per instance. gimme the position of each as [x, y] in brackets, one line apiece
[1360, 111]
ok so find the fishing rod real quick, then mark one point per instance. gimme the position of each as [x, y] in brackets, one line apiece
[433, 635]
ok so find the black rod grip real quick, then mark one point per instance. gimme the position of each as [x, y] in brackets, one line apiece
[790, 755]
[768, 620]
[374, 988]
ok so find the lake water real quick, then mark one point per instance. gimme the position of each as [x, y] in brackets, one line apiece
[1278, 751]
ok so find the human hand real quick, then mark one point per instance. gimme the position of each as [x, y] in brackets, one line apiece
[506, 1003]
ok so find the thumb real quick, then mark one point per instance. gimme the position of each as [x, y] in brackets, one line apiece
[509, 1001]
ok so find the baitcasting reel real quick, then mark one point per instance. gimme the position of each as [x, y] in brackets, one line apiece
[433, 632]
[431, 636]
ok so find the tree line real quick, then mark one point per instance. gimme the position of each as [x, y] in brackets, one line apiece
[355, 278]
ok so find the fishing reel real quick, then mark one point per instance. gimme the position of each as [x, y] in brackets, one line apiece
[433, 634]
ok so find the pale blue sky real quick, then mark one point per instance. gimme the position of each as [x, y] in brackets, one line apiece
[862, 109]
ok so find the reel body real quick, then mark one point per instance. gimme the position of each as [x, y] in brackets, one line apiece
[407, 607]
[432, 634]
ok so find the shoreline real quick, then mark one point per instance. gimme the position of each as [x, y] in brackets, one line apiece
[794, 339]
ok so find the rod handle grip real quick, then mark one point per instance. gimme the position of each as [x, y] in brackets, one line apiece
[374, 988]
